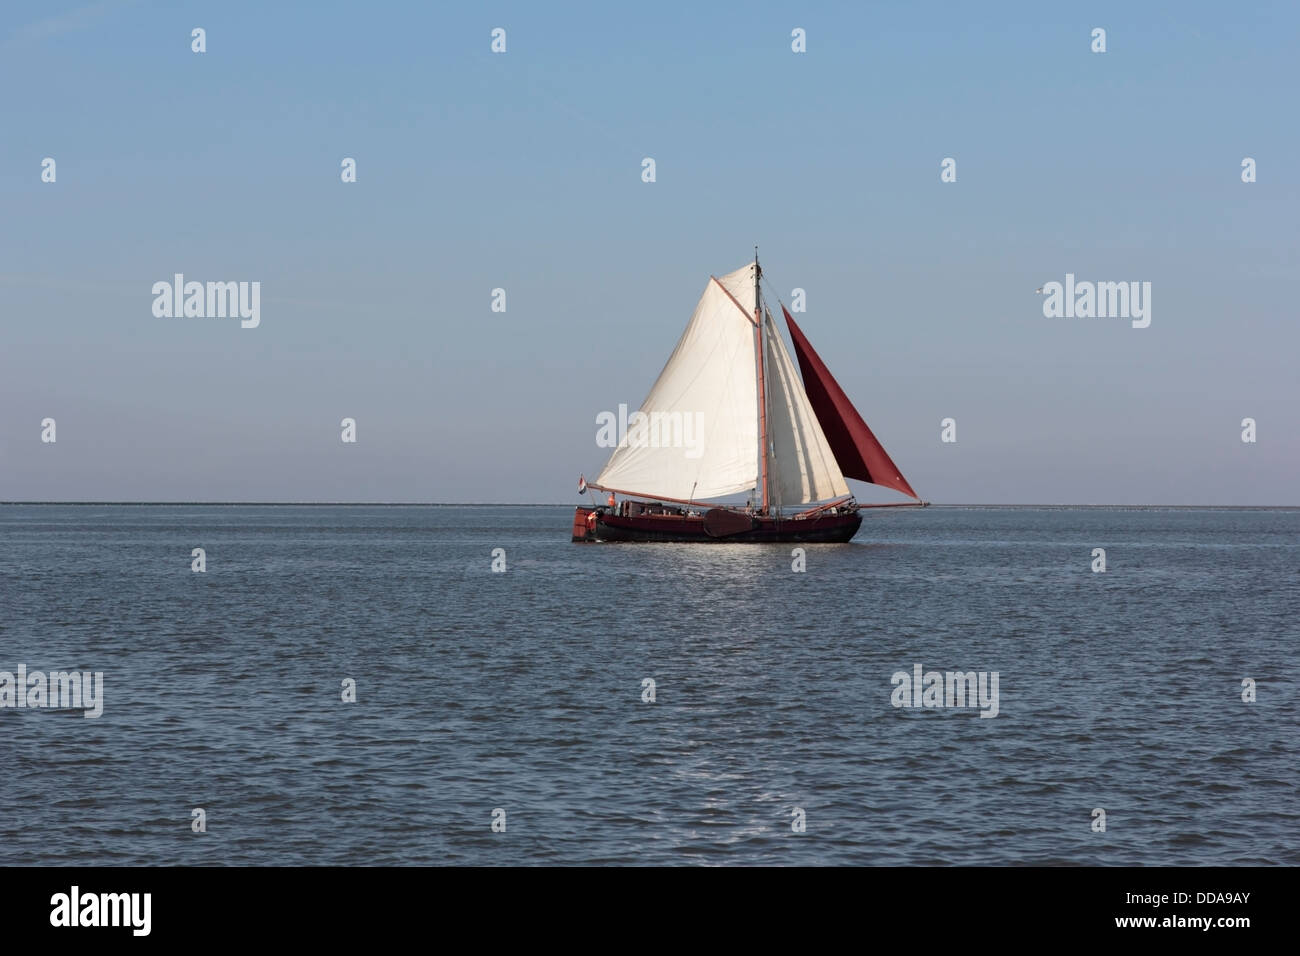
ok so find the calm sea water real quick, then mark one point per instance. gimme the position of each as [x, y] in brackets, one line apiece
[523, 690]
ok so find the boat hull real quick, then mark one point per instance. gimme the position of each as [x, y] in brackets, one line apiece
[719, 526]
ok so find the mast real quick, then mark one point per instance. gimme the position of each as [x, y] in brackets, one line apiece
[762, 385]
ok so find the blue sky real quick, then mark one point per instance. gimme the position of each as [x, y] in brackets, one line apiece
[522, 170]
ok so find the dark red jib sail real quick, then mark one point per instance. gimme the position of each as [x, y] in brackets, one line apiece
[859, 455]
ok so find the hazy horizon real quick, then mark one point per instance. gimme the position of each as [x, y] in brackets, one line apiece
[567, 504]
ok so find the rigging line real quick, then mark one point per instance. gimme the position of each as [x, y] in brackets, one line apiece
[807, 448]
[779, 302]
[799, 377]
[763, 278]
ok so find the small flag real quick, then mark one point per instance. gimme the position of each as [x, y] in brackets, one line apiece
[582, 485]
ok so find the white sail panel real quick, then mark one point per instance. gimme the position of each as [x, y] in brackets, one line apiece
[740, 284]
[699, 435]
[801, 468]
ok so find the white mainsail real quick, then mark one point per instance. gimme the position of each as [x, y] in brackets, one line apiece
[699, 437]
[801, 467]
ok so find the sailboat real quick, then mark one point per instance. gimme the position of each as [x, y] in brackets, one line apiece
[729, 415]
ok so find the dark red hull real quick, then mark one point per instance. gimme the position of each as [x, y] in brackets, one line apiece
[716, 526]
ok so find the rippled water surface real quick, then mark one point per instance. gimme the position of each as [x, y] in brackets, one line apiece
[522, 690]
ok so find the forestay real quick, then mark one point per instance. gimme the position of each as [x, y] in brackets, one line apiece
[801, 466]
